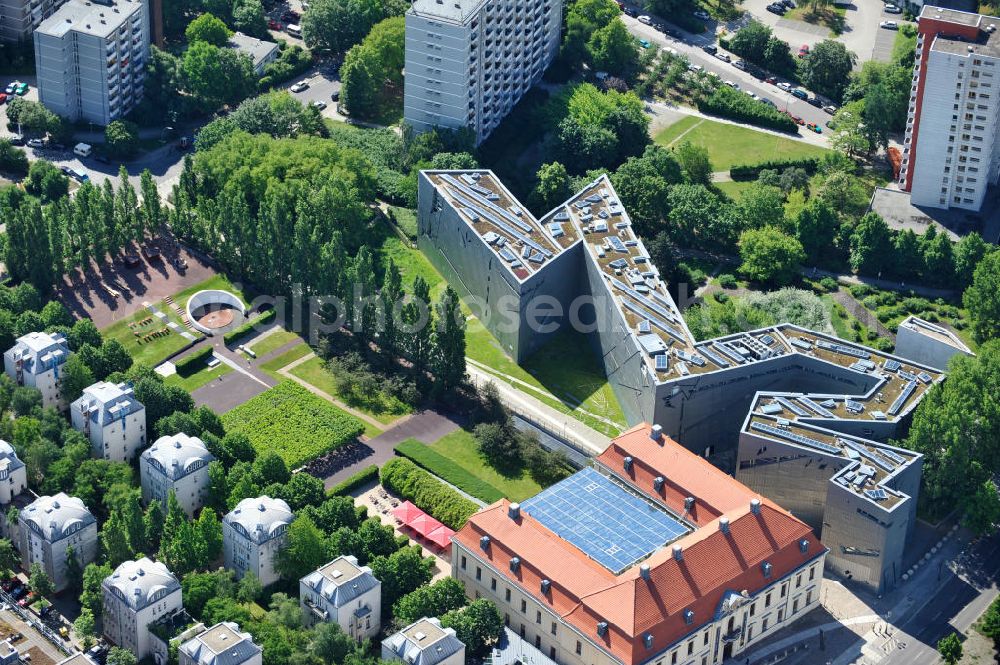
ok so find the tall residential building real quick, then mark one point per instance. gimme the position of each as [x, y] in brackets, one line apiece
[48, 527]
[469, 61]
[35, 361]
[112, 418]
[344, 593]
[424, 642]
[13, 474]
[222, 644]
[18, 18]
[179, 463]
[138, 594]
[252, 534]
[90, 57]
[652, 555]
[951, 151]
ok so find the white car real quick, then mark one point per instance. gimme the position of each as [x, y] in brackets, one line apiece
[645, 20]
[702, 14]
[892, 9]
[36, 143]
[787, 87]
[695, 68]
[751, 94]
[733, 85]
[318, 103]
[889, 25]
[740, 64]
[300, 86]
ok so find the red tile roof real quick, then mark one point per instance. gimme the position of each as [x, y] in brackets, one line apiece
[584, 593]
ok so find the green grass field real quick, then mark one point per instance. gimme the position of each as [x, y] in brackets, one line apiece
[460, 447]
[412, 263]
[274, 364]
[406, 220]
[729, 145]
[203, 375]
[273, 341]
[381, 407]
[734, 188]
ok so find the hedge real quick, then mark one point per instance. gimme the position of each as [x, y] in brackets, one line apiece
[194, 362]
[729, 103]
[293, 422]
[751, 171]
[403, 477]
[441, 466]
[348, 485]
[236, 333]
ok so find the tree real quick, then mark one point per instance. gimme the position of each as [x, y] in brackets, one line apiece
[207, 28]
[449, 342]
[583, 19]
[694, 162]
[950, 648]
[983, 509]
[121, 137]
[215, 76]
[969, 251]
[12, 160]
[270, 468]
[939, 258]
[871, 245]
[304, 550]
[92, 595]
[333, 26]
[612, 49]
[827, 68]
[39, 581]
[249, 18]
[498, 445]
[10, 560]
[770, 255]
[249, 588]
[816, 227]
[430, 601]
[552, 187]
[199, 588]
[46, 181]
[74, 571]
[982, 298]
[119, 656]
[372, 73]
[115, 541]
[751, 41]
[331, 644]
[478, 626]
[84, 627]
[990, 623]
[401, 572]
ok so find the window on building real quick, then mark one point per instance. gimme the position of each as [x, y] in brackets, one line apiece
[464, 563]
[784, 589]
[579, 648]
[524, 606]
[552, 653]
[767, 599]
[673, 658]
[690, 647]
[538, 616]
[781, 615]
[506, 595]
[809, 596]
[554, 629]
[538, 641]
[493, 584]
[479, 573]
[763, 626]
[753, 609]
[795, 606]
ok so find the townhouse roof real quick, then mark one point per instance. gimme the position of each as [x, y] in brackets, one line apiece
[141, 583]
[638, 612]
[341, 581]
[222, 644]
[104, 402]
[8, 457]
[55, 517]
[424, 642]
[40, 351]
[177, 455]
[260, 519]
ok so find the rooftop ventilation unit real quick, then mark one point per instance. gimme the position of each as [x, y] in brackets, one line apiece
[656, 433]
[755, 506]
[658, 483]
[484, 543]
[724, 525]
[628, 463]
[514, 511]
[546, 585]
[644, 571]
[678, 553]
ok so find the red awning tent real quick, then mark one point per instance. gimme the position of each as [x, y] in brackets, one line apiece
[425, 525]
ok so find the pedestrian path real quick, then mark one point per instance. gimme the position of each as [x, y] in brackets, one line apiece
[286, 372]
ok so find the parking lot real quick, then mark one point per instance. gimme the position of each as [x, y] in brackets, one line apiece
[38, 649]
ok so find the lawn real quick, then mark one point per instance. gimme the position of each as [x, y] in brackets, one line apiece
[729, 145]
[734, 188]
[456, 459]
[293, 422]
[412, 263]
[274, 364]
[380, 406]
[204, 374]
[273, 341]
[406, 220]
[830, 17]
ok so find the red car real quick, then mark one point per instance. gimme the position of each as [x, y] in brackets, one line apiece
[27, 600]
[771, 79]
[274, 25]
[3, 97]
[804, 50]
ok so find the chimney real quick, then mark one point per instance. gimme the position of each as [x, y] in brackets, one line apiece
[724, 525]
[656, 433]
[514, 511]
[678, 553]
[755, 506]
[644, 571]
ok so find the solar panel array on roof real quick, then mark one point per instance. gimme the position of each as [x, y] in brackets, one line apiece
[903, 396]
[644, 326]
[924, 377]
[803, 344]
[713, 356]
[853, 406]
[797, 438]
[903, 374]
[895, 457]
[854, 445]
[725, 350]
[890, 365]
[771, 409]
[842, 349]
[692, 358]
[791, 406]
[609, 524]
[815, 407]
[662, 363]
[616, 244]
[876, 494]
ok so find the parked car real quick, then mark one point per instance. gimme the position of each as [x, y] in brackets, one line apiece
[7, 585]
[274, 25]
[830, 108]
[776, 9]
[740, 64]
[800, 93]
[11, 87]
[695, 68]
[773, 80]
[16, 637]
[889, 25]
[3, 97]
[318, 103]
[19, 592]
[815, 101]
[16, 139]
[27, 600]
[790, 4]
[724, 57]
[892, 9]
[645, 20]
[291, 17]
[335, 95]
[767, 101]
[710, 48]
[733, 84]
[814, 127]
[300, 86]
[21, 90]
[46, 611]
[36, 143]
[629, 11]
[804, 50]
[783, 85]
[751, 95]
[702, 14]
[644, 43]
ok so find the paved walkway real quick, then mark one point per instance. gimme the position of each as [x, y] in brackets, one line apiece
[286, 372]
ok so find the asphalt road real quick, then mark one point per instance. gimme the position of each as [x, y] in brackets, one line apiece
[690, 47]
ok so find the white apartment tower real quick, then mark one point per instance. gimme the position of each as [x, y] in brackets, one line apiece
[179, 463]
[48, 527]
[252, 534]
[90, 59]
[19, 17]
[345, 593]
[112, 418]
[951, 152]
[35, 361]
[469, 61]
[138, 594]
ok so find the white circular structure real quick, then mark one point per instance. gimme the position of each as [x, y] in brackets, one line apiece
[213, 310]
